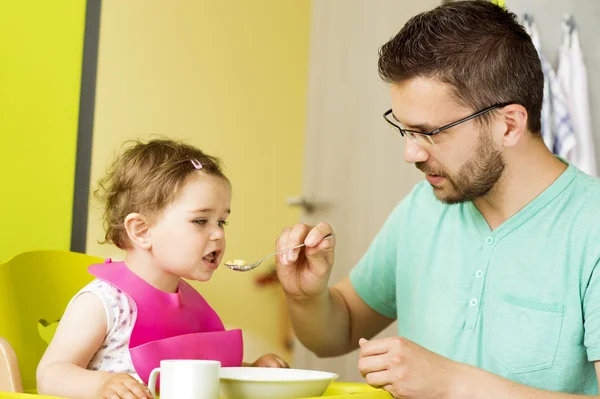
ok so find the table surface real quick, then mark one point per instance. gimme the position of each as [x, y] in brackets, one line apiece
[337, 390]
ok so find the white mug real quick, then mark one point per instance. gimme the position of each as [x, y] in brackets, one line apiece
[186, 379]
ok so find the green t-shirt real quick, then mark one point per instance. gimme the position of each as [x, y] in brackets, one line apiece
[522, 301]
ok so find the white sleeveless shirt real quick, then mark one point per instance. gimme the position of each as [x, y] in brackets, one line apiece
[113, 355]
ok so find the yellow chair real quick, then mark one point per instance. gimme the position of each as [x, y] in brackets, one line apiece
[10, 378]
[35, 288]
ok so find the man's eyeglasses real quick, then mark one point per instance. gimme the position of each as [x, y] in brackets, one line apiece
[426, 138]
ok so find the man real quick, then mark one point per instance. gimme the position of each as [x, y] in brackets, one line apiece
[492, 265]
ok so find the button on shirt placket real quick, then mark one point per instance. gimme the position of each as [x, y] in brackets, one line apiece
[474, 300]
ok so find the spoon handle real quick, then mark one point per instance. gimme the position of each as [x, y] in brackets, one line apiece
[297, 246]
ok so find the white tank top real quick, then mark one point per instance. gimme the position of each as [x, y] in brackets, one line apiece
[113, 355]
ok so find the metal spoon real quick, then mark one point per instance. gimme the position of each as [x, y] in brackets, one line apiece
[240, 265]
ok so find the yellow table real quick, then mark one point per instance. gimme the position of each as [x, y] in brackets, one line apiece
[337, 390]
[12, 395]
[352, 390]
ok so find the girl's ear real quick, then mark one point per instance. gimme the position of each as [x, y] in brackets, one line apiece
[138, 230]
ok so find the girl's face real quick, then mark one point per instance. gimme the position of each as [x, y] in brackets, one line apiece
[188, 238]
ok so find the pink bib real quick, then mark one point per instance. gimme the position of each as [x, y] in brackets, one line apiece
[171, 326]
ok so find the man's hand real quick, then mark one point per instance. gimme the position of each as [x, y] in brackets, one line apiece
[304, 272]
[407, 370]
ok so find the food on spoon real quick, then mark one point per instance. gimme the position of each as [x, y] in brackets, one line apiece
[237, 262]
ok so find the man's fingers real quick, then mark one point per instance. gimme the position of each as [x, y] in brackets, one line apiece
[281, 244]
[313, 238]
[317, 233]
[373, 364]
[374, 347]
[379, 378]
[326, 245]
[296, 237]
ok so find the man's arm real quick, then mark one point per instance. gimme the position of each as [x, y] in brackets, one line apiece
[332, 323]
[483, 385]
[408, 370]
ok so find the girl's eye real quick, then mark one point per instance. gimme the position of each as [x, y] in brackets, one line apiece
[200, 221]
[222, 223]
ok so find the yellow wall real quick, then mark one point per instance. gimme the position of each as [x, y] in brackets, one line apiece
[231, 78]
[41, 46]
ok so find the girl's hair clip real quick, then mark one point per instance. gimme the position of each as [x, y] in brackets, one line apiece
[196, 164]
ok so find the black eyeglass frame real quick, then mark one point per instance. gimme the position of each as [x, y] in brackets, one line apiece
[403, 131]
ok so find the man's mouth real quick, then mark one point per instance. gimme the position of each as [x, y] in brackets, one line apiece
[434, 180]
[428, 172]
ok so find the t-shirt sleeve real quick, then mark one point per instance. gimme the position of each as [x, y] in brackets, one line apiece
[591, 314]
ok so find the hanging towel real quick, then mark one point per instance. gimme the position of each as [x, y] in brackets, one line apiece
[562, 128]
[572, 74]
[547, 133]
[557, 130]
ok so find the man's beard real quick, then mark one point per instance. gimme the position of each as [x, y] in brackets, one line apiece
[476, 177]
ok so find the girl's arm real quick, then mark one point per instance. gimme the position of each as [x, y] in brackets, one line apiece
[80, 333]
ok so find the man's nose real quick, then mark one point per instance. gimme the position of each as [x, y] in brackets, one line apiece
[414, 153]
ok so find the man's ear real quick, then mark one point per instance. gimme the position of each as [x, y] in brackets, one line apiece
[515, 122]
[138, 230]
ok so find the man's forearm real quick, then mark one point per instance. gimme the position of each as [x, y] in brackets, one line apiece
[322, 323]
[476, 383]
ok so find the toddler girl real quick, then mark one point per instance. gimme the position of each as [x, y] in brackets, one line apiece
[166, 205]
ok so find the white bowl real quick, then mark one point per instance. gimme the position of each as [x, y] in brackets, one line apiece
[273, 383]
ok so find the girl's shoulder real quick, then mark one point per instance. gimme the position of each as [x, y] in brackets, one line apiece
[118, 306]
